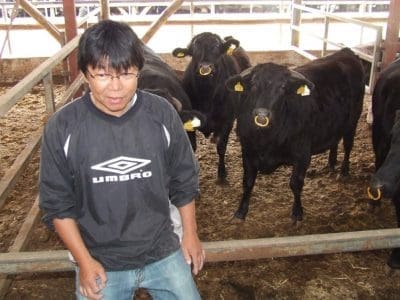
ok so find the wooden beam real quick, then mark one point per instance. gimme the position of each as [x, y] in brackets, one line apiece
[25, 85]
[36, 14]
[170, 10]
[231, 250]
[11, 176]
[391, 44]
[21, 241]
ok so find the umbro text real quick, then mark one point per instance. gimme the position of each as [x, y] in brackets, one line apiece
[121, 178]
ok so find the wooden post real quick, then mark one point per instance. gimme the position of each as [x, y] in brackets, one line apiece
[392, 45]
[105, 10]
[49, 93]
[71, 31]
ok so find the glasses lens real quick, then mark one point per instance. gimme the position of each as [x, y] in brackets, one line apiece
[109, 77]
[127, 76]
[103, 77]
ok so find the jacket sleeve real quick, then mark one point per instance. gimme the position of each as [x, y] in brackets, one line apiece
[183, 166]
[56, 184]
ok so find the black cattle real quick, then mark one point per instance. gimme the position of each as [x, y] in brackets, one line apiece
[204, 79]
[285, 116]
[386, 143]
[159, 78]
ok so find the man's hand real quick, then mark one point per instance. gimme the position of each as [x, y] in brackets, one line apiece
[92, 279]
[193, 252]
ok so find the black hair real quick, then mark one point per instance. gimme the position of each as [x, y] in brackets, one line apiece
[110, 44]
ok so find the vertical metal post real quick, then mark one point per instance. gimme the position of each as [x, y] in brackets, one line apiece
[295, 21]
[326, 32]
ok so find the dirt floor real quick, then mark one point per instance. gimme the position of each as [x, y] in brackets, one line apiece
[331, 204]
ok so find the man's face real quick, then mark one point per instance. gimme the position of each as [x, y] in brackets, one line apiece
[112, 91]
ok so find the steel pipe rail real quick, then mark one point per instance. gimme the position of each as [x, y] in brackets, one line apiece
[231, 250]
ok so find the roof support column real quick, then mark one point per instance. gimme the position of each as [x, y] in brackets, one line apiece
[71, 31]
[105, 9]
[392, 44]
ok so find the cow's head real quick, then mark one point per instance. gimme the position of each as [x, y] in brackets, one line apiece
[191, 119]
[206, 49]
[162, 92]
[386, 180]
[267, 89]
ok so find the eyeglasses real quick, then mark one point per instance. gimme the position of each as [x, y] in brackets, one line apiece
[106, 78]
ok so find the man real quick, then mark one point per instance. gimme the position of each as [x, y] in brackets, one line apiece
[111, 163]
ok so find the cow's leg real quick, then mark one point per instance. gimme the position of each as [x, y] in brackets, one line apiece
[332, 160]
[381, 152]
[222, 141]
[192, 139]
[296, 185]
[394, 259]
[249, 178]
[348, 140]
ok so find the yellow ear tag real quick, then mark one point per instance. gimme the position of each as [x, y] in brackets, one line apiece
[188, 126]
[230, 49]
[303, 90]
[238, 87]
[180, 54]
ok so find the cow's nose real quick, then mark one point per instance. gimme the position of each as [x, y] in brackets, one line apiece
[378, 188]
[262, 117]
[206, 69]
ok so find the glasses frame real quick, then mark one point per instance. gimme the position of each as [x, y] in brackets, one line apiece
[107, 78]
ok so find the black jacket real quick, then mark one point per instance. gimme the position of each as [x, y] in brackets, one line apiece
[115, 177]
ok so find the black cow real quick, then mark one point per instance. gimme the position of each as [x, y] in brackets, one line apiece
[386, 143]
[286, 116]
[159, 78]
[204, 79]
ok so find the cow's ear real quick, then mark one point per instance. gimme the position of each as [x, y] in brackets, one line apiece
[299, 84]
[303, 90]
[180, 52]
[230, 45]
[235, 84]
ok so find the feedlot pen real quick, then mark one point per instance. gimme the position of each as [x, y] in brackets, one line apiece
[332, 206]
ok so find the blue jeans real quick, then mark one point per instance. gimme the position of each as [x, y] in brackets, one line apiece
[167, 279]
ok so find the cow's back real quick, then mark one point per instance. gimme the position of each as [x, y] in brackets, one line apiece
[385, 102]
[341, 72]
[338, 94]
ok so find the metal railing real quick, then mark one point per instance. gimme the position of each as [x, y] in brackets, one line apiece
[151, 9]
[326, 20]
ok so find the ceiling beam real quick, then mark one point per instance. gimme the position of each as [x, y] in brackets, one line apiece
[37, 15]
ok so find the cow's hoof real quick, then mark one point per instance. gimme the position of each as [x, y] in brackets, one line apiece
[235, 220]
[296, 219]
[222, 181]
[394, 259]
[240, 215]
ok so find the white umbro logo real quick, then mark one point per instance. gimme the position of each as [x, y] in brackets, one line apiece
[121, 165]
